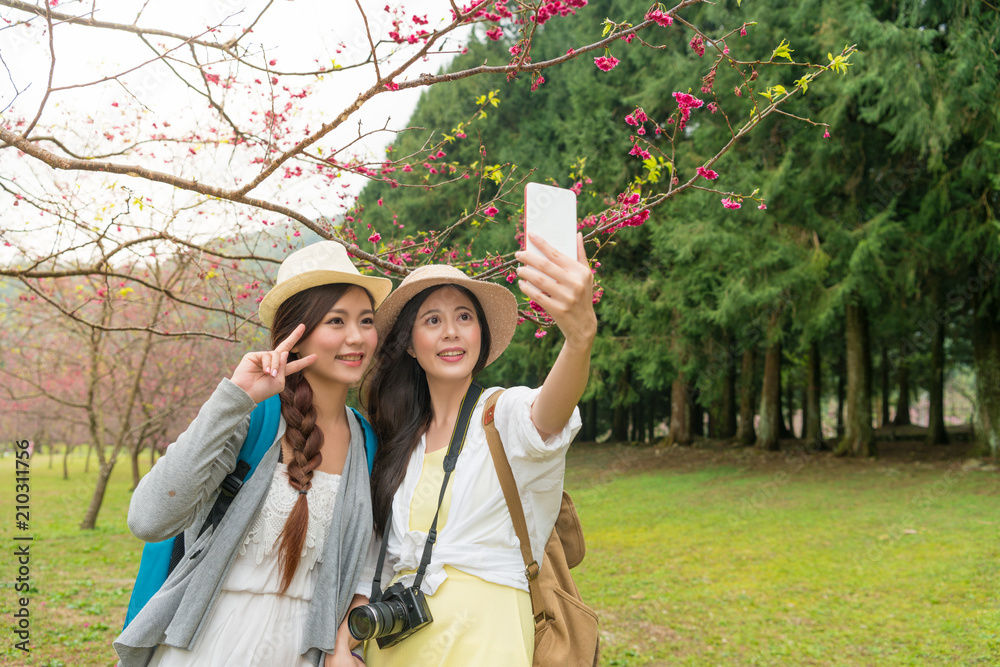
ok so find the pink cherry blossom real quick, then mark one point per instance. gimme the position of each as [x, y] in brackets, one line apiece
[375, 238]
[826, 133]
[495, 34]
[490, 211]
[743, 30]
[606, 63]
[762, 206]
[662, 18]
[686, 102]
[514, 50]
[728, 202]
[707, 173]
[697, 45]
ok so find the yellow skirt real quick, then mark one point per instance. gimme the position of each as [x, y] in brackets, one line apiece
[475, 623]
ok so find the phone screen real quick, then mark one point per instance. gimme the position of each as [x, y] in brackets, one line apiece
[550, 212]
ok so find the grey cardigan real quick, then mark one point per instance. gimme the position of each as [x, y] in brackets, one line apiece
[177, 495]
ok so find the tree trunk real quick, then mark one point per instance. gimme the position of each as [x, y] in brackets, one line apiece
[669, 407]
[103, 475]
[152, 453]
[619, 420]
[936, 433]
[884, 377]
[66, 452]
[696, 414]
[841, 377]
[584, 419]
[986, 359]
[903, 404]
[134, 457]
[770, 400]
[858, 440]
[637, 423]
[680, 409]
[651, 415]
[745, 433]
[619, 424]
[788, 431]
[86, 464]
[813, 418]
[727, 421]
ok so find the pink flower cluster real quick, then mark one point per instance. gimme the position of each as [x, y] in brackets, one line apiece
[494, 33]
[708, 173]
[606, 63]
[636, 118]
[662, 18]
[560, 7]
[686, 102]
[629, 201]
[697, 45]
[729, 202]
[639, 152]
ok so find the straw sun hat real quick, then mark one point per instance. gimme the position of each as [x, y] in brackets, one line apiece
[321, 263]
[499, 305]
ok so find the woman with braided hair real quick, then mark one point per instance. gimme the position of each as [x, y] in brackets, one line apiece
[273, 582]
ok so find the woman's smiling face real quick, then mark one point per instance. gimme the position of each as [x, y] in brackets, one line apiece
[446, 338]
[343, 341]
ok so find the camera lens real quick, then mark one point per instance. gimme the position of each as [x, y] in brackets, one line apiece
[377, 619]
[361, 622]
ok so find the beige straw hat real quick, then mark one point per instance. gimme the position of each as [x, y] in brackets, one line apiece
[499, 305]
[321, 263]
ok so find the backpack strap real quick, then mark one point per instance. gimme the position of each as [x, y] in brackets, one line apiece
[260, 436]
[371, 442]
[513, 498]
[160, 558]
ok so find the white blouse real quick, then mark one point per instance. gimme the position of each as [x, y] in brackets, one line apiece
[479, 536]
[253, 624]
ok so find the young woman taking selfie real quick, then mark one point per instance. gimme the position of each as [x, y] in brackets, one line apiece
[438, 330]
[273, 582]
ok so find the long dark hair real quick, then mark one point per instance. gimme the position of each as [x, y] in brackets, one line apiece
[310, 307]
[398, 401]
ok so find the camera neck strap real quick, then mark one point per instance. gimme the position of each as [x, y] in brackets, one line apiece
[450, 460]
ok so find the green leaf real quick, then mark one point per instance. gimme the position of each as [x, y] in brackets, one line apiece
[783, 51]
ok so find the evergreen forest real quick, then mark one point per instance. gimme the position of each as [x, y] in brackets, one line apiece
[868, 284]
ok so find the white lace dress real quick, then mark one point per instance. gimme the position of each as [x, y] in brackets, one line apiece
[251, 624]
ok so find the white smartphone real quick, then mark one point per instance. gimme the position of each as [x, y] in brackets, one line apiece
[550, 212]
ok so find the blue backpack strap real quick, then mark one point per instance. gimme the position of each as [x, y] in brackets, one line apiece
[267, 415]
[371, 442]
[159, 558]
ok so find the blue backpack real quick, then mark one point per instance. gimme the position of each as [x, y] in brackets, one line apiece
[160, 558]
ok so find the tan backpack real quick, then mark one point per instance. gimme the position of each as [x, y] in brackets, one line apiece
[566, 632]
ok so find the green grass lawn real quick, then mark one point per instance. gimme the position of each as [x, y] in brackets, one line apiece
[695, 557]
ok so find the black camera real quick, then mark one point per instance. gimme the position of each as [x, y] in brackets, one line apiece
[398, 614]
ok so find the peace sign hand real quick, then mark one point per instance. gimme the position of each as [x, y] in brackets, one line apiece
[262, 374]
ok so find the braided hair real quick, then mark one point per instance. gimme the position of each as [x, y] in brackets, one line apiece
[305, 439]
